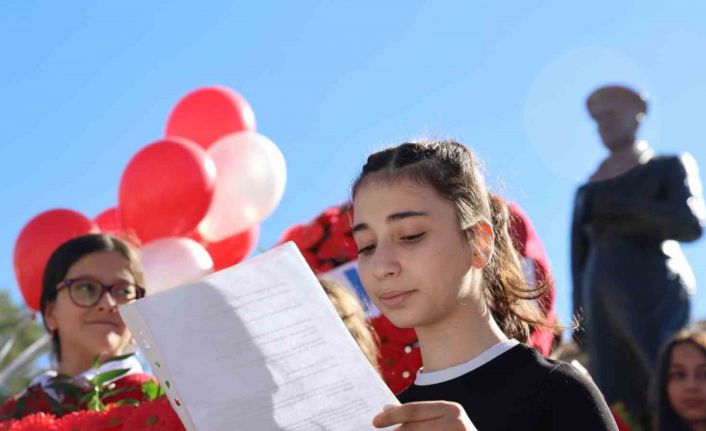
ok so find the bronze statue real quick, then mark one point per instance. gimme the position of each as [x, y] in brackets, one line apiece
[631, 282]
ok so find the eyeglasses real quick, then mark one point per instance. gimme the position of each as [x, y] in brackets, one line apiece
[87, 293]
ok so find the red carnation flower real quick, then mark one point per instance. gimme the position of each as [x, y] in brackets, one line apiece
[5, 425]
[343, 223]
[110, 420]
[340, 248]
[304, 236]
[324, 267]
[156, 415]
[35, 422]
[77, 421]
[311, 259]
[329, 216]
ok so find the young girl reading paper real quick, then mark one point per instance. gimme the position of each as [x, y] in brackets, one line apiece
[84, 281]
[435, 254]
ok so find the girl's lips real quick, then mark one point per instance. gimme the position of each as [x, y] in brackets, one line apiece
[694, 403]
[395, 299]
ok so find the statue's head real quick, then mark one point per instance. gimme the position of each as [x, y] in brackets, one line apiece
[618, 111]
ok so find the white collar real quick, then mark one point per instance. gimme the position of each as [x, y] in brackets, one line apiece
[440, 376]
[45, 379]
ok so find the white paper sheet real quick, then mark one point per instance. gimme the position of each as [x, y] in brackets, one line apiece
[258, 347]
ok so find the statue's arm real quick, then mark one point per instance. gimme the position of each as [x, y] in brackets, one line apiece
[680, 216]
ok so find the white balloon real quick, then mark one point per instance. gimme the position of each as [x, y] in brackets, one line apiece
[173, 261]
[250, 181]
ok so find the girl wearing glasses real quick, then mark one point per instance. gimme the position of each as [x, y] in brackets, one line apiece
[435, 254]
[84, 281]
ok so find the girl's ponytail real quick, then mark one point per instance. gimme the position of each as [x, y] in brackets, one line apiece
[511, 301]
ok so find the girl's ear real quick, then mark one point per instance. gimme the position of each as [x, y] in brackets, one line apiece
[482, 240]
[49, 317]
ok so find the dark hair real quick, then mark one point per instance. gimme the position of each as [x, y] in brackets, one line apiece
[665, 418]
[452, 170]
[351, 312]
[71, 252]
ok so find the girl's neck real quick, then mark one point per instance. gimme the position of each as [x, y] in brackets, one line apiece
[74, 362]
[464, 334]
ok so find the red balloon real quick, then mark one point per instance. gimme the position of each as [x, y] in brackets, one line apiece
[233, 249]
[38, 240]
[109, 221]
[207, 114]
[166, 189]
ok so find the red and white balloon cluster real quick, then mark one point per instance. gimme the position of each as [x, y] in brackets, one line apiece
[193, 200]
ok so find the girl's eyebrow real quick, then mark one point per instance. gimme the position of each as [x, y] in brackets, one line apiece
[392, 217]
[405, 214]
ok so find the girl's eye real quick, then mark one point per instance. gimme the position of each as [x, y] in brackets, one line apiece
[86, 287]
[366, 250]
[676, 375]
[413, 238]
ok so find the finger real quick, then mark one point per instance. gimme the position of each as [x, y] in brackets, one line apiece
[440, 424]
[415, 412]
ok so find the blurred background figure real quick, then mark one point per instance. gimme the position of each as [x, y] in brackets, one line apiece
[680, 383]
[351, 312]
[631, 282]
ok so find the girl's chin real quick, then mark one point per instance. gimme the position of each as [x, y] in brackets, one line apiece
[403, 321]
[107, 347]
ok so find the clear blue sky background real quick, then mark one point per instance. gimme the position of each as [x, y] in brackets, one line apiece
[85, 85]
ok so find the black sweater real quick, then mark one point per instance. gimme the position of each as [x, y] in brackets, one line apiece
[520, 390]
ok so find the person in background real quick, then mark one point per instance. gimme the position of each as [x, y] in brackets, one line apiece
[351, 312]
[84, 281]
[680, 383]
[435, 254]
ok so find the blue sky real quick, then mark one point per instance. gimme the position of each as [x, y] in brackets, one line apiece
[85, 85]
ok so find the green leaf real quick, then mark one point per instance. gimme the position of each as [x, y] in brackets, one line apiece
[102, 378]
[119, 358]
[96, 362]
[84, 399]
[128, 402]
[151, 390]
[95, 404]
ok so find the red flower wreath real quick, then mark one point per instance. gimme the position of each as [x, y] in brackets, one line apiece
[76, 421]
[112, 419]
[156, 415]
[34, 422]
